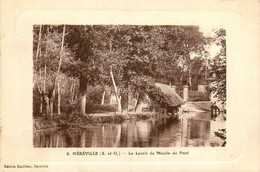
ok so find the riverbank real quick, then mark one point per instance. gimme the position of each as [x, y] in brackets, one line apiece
[77, 120]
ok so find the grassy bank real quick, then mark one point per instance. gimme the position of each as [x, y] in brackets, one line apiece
[77, 120]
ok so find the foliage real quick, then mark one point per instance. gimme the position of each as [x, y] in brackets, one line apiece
[220, 66]
[97, 108]
[139, 56]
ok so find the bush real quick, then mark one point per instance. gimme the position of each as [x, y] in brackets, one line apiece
[97, 108]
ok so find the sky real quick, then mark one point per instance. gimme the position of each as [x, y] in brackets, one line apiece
[209, 31]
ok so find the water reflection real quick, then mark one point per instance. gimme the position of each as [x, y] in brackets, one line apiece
[189, 130]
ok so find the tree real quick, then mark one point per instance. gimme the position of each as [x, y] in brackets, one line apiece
[190, 42]
[142, 54]
[82, 41]
[127, 58]
[220, 65]
[48, 54]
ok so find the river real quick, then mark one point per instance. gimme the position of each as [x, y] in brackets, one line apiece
[188, 130]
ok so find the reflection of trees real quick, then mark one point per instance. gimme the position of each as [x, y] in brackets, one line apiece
[198, 129]
[118, 136]
[129, 135]
[94, 136]
[160, 132]
[183, 132]
[136, 134]
[145, 133]
[164, 133]
[142, 133]
[57, 139]
[83, 139]
[194, 131]
[101, 136]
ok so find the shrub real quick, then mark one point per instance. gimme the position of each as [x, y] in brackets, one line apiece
[97, 108]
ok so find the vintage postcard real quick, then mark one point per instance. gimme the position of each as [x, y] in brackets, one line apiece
[128, 88]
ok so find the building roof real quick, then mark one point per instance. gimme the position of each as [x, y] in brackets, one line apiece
[175, 99]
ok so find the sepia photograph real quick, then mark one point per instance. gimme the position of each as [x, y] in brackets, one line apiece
[122, 86]
[129, 86]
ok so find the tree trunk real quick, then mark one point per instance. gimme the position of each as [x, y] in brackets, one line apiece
[139, 107]
[206, 69]
[119, 105]
[47, 102]
[51, 108]
[82, 95]
[137, 102]
[103, 98]
[44, 83]
[118, 98]
[41, 105]
[111, 98]
[190, 77]
[57, 75]
[72, 91]
[41, 92]
[59, 96]
[82, 101]
[44, 79]
[128, 98]
[39, 42]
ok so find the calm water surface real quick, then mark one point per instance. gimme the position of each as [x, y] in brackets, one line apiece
[189, 130]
